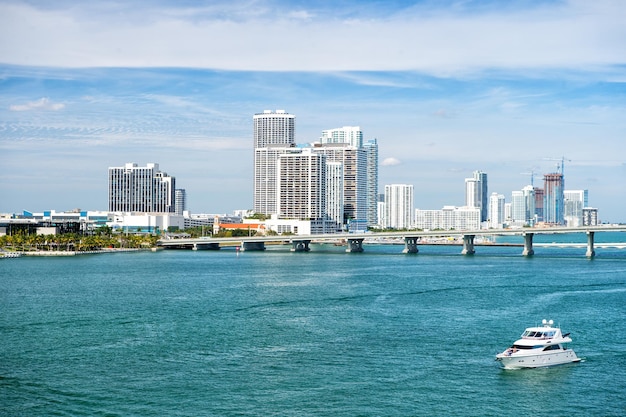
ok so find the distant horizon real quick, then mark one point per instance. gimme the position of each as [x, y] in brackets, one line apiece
[446, 88]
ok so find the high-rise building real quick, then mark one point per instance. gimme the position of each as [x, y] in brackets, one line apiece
[399, 206]
[371, 147]
[476, 193]
[553, 198]
[354, 162]
[523, 206]
[181, 201]
[334, 194]
[574, 203]
[496, 210]
[274, 132]
[274, 128]
[141, 189]
[301, 185]
[351, 135]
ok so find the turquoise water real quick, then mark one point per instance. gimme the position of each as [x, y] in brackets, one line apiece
[275, 333]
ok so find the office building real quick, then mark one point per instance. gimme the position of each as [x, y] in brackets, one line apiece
[399, 206]
[141, 189]
[476, 193]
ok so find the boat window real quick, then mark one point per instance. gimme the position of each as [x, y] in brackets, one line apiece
[552, 347]
[522, 347]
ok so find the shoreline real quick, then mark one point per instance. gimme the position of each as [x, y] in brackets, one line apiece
[16, 254]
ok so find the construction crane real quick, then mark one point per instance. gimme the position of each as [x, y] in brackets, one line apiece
[560, 167]
[532, 177]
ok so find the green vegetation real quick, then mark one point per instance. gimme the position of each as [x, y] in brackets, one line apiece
[102, 238]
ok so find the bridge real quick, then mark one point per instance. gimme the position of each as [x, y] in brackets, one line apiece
[354, 241]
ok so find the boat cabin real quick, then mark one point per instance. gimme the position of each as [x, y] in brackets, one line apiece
[540, 333]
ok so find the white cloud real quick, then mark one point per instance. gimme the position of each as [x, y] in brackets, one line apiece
[576, 34]
[41, 104]
[391, 161]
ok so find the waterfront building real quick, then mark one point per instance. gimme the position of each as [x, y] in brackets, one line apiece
[476, 193]
[371, 148]
[448, 218]
[523, 207]
[574, 203]
[274, 134]
[399, 206]
[181, 201]
[354, 162]
[539, 200]
[352, 135]
[590, 216]
[141, 189]
[334, 194]
[301, 185]
[496, 210]
[553, 198]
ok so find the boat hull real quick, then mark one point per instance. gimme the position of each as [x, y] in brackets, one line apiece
[519, 361]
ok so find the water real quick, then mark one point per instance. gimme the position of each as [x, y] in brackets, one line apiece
[182, 333]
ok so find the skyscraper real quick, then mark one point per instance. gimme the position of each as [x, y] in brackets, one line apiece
[351, 135]
[181, 201]
[574, 203]
[553, 198]
[354, 162]
[496, 210]
[399, 206]
[141, 189]
[371, 147]
[476, 193]
[274, 132]
[301, 185]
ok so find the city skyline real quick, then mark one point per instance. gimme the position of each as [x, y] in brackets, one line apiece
[507, 88]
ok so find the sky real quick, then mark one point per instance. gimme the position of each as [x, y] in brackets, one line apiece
[515, 88]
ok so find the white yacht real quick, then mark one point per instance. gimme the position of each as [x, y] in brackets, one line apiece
[538, 347]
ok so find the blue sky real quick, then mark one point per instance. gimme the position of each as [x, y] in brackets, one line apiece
[446, 87]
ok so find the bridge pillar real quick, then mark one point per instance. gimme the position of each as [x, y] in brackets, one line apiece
[590, 250]
[355, 245]
[410, 245]
[468, 245]
[252, 246]
[528, 244]
[300, 245]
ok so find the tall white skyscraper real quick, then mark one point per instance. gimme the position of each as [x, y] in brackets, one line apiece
[371, 147]
[334, 193]
[141, 189]
[476, 193]
[399, 206]
[496, 210]
[274, 133]
[523, 207]
[575, 201]
[181, 201]
[351, 135]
